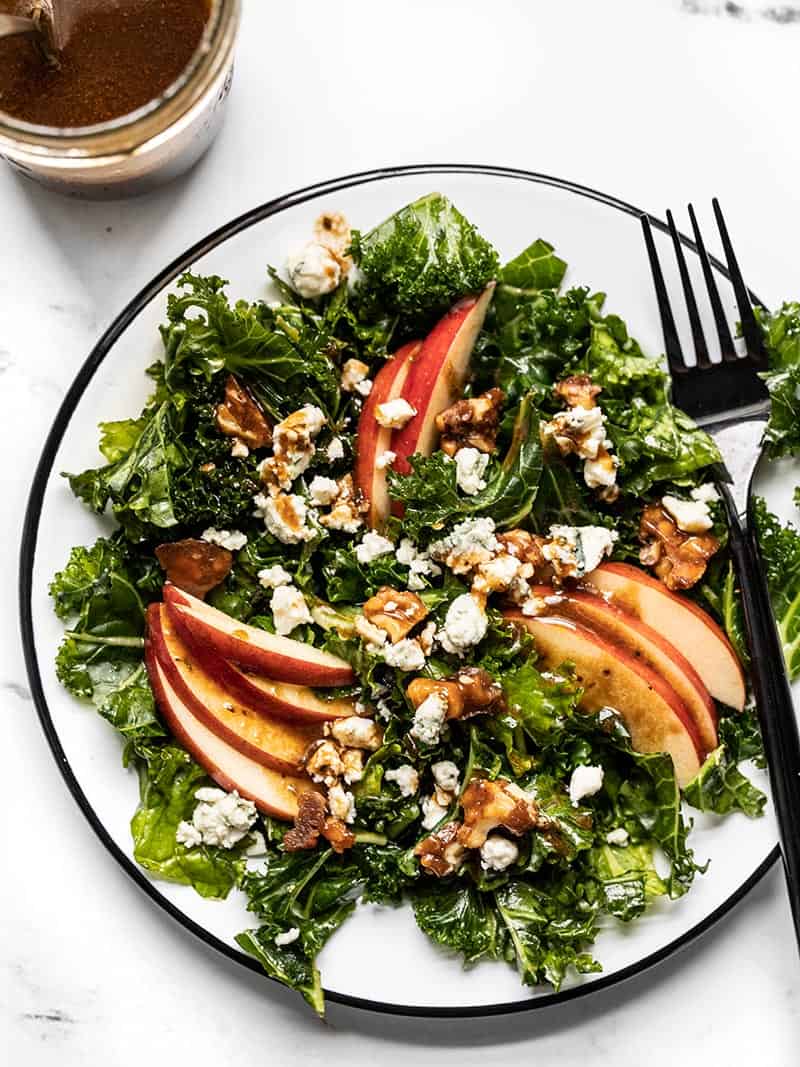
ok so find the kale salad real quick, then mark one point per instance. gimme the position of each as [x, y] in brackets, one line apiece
[419, 595]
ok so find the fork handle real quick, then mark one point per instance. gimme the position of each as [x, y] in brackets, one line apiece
[773, 700]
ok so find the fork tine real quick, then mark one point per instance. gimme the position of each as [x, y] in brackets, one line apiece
[751, 331]
[672, 342]
[723, 332]
[700, 346]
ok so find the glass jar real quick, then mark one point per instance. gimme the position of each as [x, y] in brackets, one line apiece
[135, 152]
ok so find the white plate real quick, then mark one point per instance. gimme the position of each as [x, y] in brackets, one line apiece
[601, 239]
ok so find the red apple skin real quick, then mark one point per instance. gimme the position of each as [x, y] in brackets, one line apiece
[374, 439]
[272, 742]
[271, 791]
[658, 720]
[279, 658]
[648, 646]
[690, 629]
[281, 700]
[436, 376]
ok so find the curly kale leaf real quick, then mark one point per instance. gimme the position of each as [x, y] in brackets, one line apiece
[168, 781]
[432, 498]
[780, 552]
[721, 591]
[543, 706]
[720, 786]
[419, 261]
[537, 267]
[782, 338]
[628, 878]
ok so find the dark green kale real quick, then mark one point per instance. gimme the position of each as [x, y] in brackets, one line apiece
[721, 591]
[419, 261]
[720, 786]
[782, 338]
[432, 498]
[780, 552]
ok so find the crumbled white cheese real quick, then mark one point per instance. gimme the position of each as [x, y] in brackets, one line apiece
[426, 636]
[335, 449]
[286, 517]
[323, 490]
[385, 459]
[287, 938]
[470, 468]
[372, 546]
[420, 564]
[356, 732]
[364, 388]
[432, 812]
[464, 625]
[272, 577]
[601, 472]
[429, 718]
[405, 778]
[498, 574]
[691, 516]
[344, 516]
[498, 853]
[577, 550]
[534, 605]
[405, 655]
[233, 540]
[293, 445]
[342, 804]
[289, 609]
[313, 270]
[579, 430]
[468, 544]
[585, 782]
[220, 818]
[353, 763]
[354, 372]
[239, 449]
[445, 774]
[706, 492]
[620, 836]
[394, 414]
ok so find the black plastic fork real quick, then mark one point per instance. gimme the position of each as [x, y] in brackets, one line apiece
[729, 400]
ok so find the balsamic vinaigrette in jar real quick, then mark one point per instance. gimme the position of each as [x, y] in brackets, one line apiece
[117, 56]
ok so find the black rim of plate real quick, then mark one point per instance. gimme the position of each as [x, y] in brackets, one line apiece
[28, 551]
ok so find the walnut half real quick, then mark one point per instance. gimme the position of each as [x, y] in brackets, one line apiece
[678, 558]
[577, 391]
[395, 611]
[239, 416]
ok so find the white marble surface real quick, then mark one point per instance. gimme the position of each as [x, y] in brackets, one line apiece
[654, 101]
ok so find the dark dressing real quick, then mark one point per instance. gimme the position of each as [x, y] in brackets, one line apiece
[119, 55]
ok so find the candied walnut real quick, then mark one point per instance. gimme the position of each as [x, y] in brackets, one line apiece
[441, 853]
[337, 835]
[308, 823]
[525, 546]
[471, 423]
[240, 416]
[396, 612]
[678, 558]
[480, 693]
[577, 391]
[323, 762]
[420, 689]
[489, 804]
[194, 566]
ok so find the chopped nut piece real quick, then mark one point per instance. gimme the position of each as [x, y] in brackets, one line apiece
[480, 693]
[323, 762]
[336, 834]
[441, 853]
[421, 688]
[678, 558]
[194, 566]
[308, 823]
[489, 804]
[354, 372]
[240, 416]
[471, 423]
[577, 391]
[395, 611]
[524, 546]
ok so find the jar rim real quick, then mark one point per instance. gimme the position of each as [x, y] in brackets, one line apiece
[220, 15]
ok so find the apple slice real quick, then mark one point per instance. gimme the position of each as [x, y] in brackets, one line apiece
[273, 742]
[611, 676]
[648, 646]
[686, 626]
[279, 658]
[374, 439]
[437, 374]
[282, 700]
[271, 791]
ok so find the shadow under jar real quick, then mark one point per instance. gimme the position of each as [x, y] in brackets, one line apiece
[139, 96]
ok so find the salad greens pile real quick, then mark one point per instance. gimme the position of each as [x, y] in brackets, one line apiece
[170, 474]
